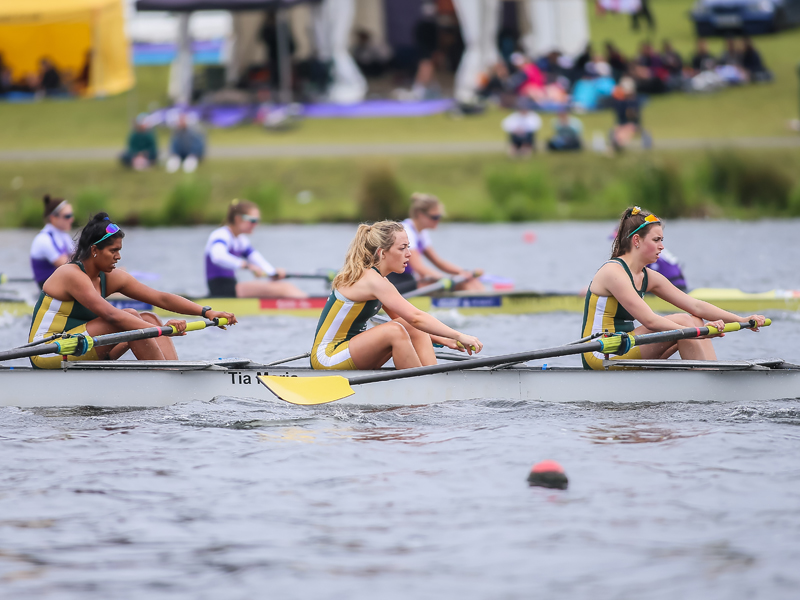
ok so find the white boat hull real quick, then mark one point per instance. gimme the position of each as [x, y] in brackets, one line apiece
[132, 385]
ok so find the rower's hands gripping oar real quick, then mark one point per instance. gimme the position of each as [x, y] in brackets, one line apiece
[79, 344]
[320, 390]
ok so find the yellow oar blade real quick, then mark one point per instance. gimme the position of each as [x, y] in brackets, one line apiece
[308, 391]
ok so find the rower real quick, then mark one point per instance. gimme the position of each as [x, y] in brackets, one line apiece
[228, 248]
[425, 213]
[53, 245]
[73, 300]
[360, 289]
[614, 300]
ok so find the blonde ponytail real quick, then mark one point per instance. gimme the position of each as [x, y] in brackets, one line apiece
[363, 251]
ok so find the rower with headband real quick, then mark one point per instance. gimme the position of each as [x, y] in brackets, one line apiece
[615, 297]
[73, 300]
[53, 245]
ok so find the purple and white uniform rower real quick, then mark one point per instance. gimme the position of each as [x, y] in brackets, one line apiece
[228, 249]
[225, 253]
[53, 245]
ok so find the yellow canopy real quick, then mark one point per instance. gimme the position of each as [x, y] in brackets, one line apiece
[67, 32]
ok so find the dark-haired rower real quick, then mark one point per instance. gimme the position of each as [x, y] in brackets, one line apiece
[53, 245]
[614, 300]
[73, 300]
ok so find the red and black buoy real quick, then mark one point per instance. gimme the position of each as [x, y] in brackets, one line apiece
[549, 474]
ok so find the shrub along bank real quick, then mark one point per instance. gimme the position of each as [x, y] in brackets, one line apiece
[731, 184]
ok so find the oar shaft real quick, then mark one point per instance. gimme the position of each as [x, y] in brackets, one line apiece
[326, 276]
[110, 339]
[436, 286]
[601, 345]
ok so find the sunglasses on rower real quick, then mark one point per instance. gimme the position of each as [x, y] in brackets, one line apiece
[249, 218]
[433, 217]
[110, 230]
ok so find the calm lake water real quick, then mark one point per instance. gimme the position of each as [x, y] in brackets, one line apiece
[236, 498]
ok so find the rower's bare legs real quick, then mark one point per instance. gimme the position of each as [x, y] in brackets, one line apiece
[268, 289]
[118, 351]
[142, 349]
[695, 349]
[422, 343]
[373, 348]
[165, 343]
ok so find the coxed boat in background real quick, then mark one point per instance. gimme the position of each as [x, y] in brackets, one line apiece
[469, 303]
[154, 384]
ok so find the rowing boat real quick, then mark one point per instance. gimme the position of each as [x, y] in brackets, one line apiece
[155, 384]
[470, 303]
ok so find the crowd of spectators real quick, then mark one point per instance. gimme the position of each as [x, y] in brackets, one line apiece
[47, 81]
[556, 83]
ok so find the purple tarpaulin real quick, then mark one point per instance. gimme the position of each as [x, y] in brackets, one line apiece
[229, 116]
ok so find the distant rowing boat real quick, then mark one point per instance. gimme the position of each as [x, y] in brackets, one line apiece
[153, 384]
[472, 303]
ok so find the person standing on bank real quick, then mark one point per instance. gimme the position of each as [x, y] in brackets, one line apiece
[425, 213]
[73, 300]
[615, 298]
[228, 248]
[53, 245]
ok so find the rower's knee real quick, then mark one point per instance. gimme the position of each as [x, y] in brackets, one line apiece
[397, 333]
[686, 320]
[149, 317]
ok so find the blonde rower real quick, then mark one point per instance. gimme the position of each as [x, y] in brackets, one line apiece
[615, 298]
[359, 290]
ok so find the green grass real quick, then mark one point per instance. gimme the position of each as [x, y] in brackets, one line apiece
[474, 187]
[750, 111]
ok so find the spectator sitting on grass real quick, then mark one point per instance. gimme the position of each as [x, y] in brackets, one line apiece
[187, 147]
[495, 83]
[628, 109]
[702, 60]
[49, 79]
[752, 63]
[142, 150]
[649, 72]
[673, 63]
[619, 64]
[521, 127]
[568, 132]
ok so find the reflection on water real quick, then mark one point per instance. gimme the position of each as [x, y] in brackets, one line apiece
[635, 434]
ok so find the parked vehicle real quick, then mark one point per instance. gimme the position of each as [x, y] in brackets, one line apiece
[744, 17]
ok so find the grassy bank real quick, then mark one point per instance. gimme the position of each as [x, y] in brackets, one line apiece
[474, 188]
[751, 111]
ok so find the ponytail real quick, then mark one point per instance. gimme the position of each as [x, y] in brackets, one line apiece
[90, 235]
[363, 251]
